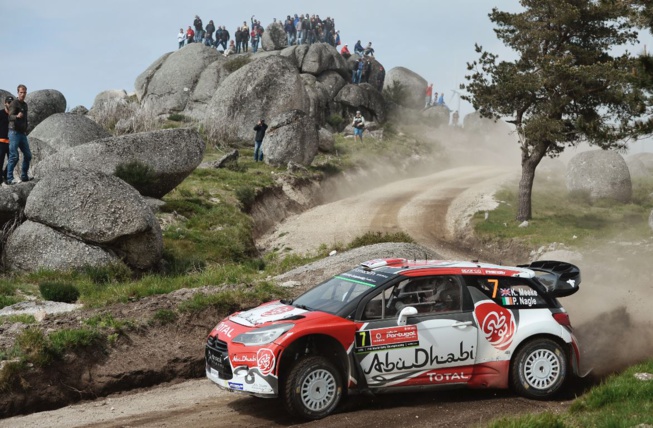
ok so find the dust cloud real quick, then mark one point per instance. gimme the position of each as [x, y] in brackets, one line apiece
[611, 312]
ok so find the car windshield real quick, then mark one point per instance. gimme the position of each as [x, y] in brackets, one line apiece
[333, 295]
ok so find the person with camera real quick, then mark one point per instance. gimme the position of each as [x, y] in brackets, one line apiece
[260, 129]
[359, 126]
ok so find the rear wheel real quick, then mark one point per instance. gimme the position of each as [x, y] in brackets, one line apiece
[539, 369]
[313, 388]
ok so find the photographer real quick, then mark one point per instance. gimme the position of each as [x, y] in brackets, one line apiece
[260, 128]
[359, 126]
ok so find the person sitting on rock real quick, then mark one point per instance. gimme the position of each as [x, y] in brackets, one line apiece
[369, 50]
[231, 49]
[345, 52]
[358, 48]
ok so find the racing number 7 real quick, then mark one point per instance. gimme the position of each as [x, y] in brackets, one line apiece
[496, 285]
[363, 336]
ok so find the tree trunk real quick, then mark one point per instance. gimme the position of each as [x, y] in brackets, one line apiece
[529, 162]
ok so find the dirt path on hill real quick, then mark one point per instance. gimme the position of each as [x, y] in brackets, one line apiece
[431, 209]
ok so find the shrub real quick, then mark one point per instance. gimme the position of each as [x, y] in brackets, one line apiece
[396, 92]
[59, 292]
[335, 120]
[177, 117]
[377, 237]
[246, 196]
[136, 173]
[164, 316]
[116, 272]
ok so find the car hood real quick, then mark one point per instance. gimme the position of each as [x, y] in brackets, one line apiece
[270, 312]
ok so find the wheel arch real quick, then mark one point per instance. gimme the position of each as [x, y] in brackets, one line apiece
[314, 344]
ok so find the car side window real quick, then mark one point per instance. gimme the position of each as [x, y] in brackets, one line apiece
[430, 295]
[380, 306]
[510, 292]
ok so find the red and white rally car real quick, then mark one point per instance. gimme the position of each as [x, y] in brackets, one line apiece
[394, 325]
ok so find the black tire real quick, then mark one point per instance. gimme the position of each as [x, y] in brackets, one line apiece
[539, 369]
[313, 388]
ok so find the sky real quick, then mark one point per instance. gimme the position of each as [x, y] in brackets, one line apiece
[84, 47]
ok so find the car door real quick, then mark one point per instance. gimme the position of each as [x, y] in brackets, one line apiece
[436, 346]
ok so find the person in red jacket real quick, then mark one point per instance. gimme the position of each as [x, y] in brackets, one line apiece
[190, 35]
[429, 94]
[345, 52]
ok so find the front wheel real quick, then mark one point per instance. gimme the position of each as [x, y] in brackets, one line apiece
[539, 369]
[313, 388]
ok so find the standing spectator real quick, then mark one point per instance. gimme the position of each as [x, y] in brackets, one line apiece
[197, 23]
[208, 40]
[218, 36]
[244, 33]
[260, 128]
[18, 136]
[367, 71]
[305, 25]
[224, 39]
[299, 25]
[380, 78]
[429, 94]
[289, 28]
[359, 126]
[435, 99]
[358, 48]
[345, 52]
[360, 65]
[210, 28]
[190, 35]
[4, 135]
[254, 40]
[336, 39]
[354, 71]
[238, 36]
[181, 38]
[245, 27]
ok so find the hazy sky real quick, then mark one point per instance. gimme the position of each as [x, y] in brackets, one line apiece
[81, 48]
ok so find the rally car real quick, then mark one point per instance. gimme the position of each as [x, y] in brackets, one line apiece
[396, 325]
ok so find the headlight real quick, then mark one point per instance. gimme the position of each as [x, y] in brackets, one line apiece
[262, 335]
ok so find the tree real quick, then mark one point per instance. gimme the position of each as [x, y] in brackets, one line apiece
[567, 84]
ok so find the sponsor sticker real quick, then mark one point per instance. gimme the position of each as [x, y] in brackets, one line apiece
[496, 323]
[237, 386]
[265, 361]
[277, 311]
[386, 338]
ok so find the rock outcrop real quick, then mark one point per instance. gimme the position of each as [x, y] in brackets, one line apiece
[43, 104]
[250, 94]
[365, 98]
[600, 174]
[413, 83]
[170, 154]
[64, 130]
[292, 136]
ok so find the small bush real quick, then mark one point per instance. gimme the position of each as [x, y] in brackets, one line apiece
[177, 117]
[377, 237]
[335, 120]
[236, 63]
[246, 196]
[64, 340]
[176, 265]
[136, 173]
[8, 301]
[396, 92]
[116, 272]
[59, 292]
[164, 316]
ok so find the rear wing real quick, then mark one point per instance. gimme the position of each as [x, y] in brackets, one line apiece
[560, 279]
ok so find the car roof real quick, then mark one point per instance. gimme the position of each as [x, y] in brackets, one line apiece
[405, 267]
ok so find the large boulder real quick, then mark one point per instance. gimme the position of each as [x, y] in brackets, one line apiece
[437, 115]
[600, 174]
[43, 104]
[261, 89]
[640, 165]
[64, 130]
[208, 82]
[413, 83]
[326, 143]
[143, 80]
[365, 98]
[110, 98]
[317, 58]
[170, 86]
[274, 37]
[292, 136]
[13, 199]
[34, 246]
[377, 73]
[100, 209]
[171, 154]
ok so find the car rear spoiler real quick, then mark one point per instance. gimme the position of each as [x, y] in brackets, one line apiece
[560, 279]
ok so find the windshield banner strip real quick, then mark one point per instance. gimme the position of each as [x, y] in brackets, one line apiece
[367, 284]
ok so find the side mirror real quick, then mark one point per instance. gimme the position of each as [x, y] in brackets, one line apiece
[404, 314]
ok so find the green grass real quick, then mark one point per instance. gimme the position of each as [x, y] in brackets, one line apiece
[620, 401]
[20, 318]
[568, 219]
